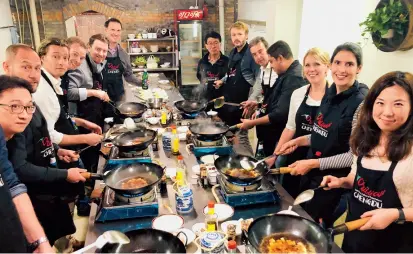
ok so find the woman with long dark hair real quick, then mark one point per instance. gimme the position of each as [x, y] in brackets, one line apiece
[381, 178]
[330, 135]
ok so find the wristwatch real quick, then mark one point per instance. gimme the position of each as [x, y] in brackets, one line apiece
[402, 217]
[34, 245]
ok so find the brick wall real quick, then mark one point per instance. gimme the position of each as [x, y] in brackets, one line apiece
[135, 15]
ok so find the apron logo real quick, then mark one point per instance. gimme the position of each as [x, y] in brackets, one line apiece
[320, 122]
[308, 119]
[98, 85]
[112, 66]
[46, 142]
[318, 153]
[367, 196]
[232, 72]
[309, 125]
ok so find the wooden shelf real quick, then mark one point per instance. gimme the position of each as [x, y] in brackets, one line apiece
[155, 69]
[151, 53]
[154, 39]
[192, 41]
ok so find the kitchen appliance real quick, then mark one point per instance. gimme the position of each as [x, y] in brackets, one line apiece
[218, 147]
[118, 158]
[235, 194]
[189, 25]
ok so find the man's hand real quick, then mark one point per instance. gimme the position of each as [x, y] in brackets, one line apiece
[44, 248]
[218, 84]
[302, 167]
[288, 147]
[67, 155]
[248, 107]
[247, 124]
[92, 139]
[74, 176]
[92, 127]
[102, 95]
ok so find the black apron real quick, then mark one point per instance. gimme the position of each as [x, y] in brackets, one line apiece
[236, 89]
[265, 87]
[52, 212]
[91, 109]
[112, 77]
[12, 237]
[374, 189]
[304, 119]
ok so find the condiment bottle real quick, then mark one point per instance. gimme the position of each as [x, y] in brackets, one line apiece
[175, 141]
[203, 176]
[232, 246]
[164, 115]
[162, 186]
[211, 221]
[145, 80]
[231, 233]
[180, 170]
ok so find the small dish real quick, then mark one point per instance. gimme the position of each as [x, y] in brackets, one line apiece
[153, 120]
[168, 222]
[223, 211]
[212, 113]
[209, 159]
[237, 224]
[182, 136]
[182, 129]
[163, 81]
[288, 211]
[185, 232]
[196, 169]
[170, 172]
[199, 228]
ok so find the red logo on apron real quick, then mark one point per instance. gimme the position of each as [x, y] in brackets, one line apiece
[320, 122]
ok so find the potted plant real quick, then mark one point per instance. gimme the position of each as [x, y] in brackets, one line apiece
[140, 61]
[389, 19]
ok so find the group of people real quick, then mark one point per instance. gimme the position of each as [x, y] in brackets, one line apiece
[354, 141]
[52, 103]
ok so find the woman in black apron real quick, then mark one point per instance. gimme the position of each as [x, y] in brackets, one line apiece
[316, 61]
[383, 136]
[331, 132]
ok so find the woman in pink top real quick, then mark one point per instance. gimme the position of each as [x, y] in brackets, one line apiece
[382, 173]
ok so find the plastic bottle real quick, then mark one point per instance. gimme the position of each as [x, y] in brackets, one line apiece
[167, 140]
[164, 115]
[145, 80]
[183, 195]
[180, 170]
[211, 220]
[232, 246]
[260, 151]
[175, 141]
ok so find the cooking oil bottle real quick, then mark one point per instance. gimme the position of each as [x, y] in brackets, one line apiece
[175, 141]
[211, 220]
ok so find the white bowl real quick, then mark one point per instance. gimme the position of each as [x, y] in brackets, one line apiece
[131, 36]
[209, 159]
[168, 222]
[237, 224]
[212, 113]
[223, 211]
[199, 228]
[167, 63]
[182, 129]
[153, 120]
[164, 66]
[154, 48]
[185, 232]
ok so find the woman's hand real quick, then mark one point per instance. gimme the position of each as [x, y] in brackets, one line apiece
[302, 167]
[288, 147]
[332, 182]
[67, 155]
[380, 218]
[247, 124]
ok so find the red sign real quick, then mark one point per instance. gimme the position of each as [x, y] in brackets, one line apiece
[189, 14]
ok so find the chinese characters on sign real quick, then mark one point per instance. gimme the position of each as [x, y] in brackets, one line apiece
[190, 14]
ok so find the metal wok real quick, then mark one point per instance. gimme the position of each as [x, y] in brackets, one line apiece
[144, 136]
[295, 227]
[225, 163]
[190, 107]
[114, 178]
[147, 241]
[210, 131]
[130, 109]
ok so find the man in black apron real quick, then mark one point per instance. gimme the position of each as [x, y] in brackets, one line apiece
[274, 111]
[212, 67]
[396, 237]
[236, 85]
[330, 134]
[33, 156]
[16, 209]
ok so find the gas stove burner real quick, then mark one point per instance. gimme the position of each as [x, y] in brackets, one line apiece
[134, 154]
[122, 199]
[203, 143]
[237, 187]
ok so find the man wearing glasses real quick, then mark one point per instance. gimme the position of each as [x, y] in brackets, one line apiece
[213, 66]
[32, 153]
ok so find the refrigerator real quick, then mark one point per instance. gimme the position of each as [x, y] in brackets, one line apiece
[188, 25]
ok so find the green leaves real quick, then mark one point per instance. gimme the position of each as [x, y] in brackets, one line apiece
[393, 15]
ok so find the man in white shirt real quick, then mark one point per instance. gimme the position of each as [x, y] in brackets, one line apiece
[54, 54]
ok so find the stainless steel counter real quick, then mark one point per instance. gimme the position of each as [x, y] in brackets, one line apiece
[201, 196]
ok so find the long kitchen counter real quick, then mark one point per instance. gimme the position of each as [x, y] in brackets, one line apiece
[201, 196]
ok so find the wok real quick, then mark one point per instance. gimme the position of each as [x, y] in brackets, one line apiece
[147, 241]
[114, 178]
[226, 162]
[210, 131]
[130, 109]
[294, 226]
[124, 140]
[190, 107]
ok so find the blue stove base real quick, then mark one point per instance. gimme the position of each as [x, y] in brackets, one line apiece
[250, 199]
[116, 213]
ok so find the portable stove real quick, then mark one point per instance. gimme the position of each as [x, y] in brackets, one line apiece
[117, 158]
[117, 207]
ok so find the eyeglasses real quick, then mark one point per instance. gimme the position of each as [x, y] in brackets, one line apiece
[213, 43]
[18, 109]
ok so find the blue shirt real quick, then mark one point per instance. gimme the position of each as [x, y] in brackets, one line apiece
[7, 173]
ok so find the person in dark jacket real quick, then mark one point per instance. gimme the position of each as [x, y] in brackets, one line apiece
[331, 133]
[213, 66]
[33, 157]
[274, 111]
[16, 210]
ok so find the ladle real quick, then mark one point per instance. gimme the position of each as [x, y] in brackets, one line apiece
[111, 236]
[250, 165]
[306, 195]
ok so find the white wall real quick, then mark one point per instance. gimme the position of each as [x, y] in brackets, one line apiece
[5, 23]
[328, 23]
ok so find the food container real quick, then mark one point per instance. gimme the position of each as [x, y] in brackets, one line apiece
[154, 48]
[131, 36]
[184, 200]
[212, 242]
[154, 35]
[144, 36]
[155, 103]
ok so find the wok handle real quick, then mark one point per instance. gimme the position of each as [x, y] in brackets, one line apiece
[282, 170]
[235, 127]
[350, 226]
[92, 176]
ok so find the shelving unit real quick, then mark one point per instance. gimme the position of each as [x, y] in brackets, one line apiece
[172, 55]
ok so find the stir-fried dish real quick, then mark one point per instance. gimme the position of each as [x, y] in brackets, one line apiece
[283, 243]
[242, 173]
[136, 141]
[134, 183]
[132, 113]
